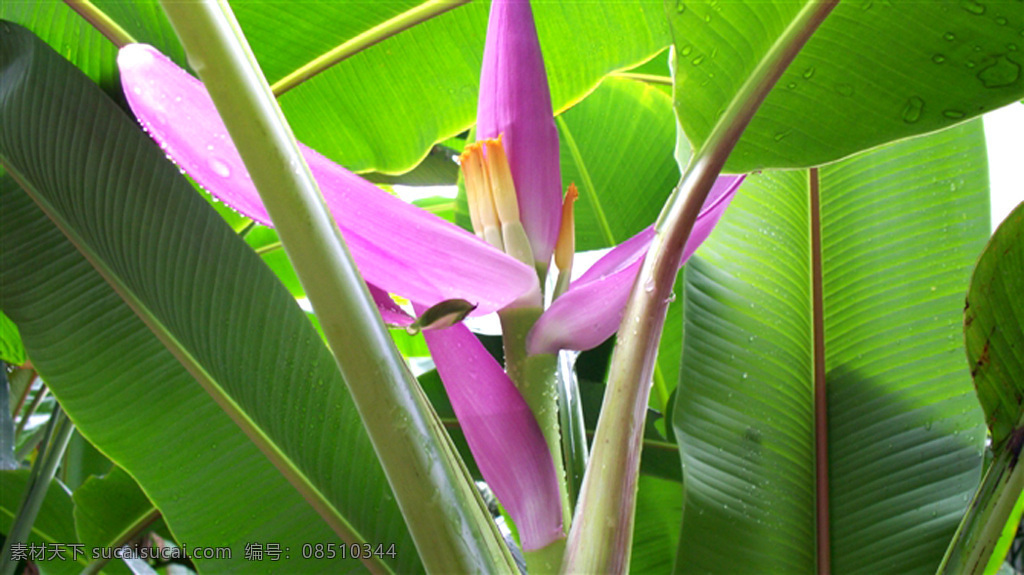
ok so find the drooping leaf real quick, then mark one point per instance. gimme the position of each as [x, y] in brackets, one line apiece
[900, 227]
[198, 298]
[875, 71]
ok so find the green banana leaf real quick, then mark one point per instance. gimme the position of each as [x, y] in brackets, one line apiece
[900, 229]
[616, 145]
[124, 284]
[994, 329]
[109, 511]
[874, 72]
[11, 349]
[383, 108]
[994, 333]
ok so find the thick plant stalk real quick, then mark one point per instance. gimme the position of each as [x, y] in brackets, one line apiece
[444, 513]
[602, 530]
[993, 503]
[58, 434]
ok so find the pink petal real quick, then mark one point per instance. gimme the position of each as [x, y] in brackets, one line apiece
[502, 433]
[515, 101]
[398, 247]
[390, 312]
[591, 310]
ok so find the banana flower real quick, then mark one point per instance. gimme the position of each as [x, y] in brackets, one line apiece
[514, 190]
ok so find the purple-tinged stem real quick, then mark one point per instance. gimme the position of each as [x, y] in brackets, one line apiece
[601, 536]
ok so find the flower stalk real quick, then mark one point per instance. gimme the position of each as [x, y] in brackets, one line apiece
[610, 484]
[447, 519]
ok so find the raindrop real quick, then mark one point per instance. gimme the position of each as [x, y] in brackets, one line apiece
[791, 85]
[707, 18]
[209, 147]
[1003, 72]
[745, 375]
[1011, 47]
[938, 58]
[697, 61]
[808, 73]
[844, 89]
[1001, 21]
[953, 114]
[912, 111]
[686, 50]
[671, 297]
[219, 167]
[680, 7]
[949, 36]
[782, 135]
[649, 286]
[973, 6]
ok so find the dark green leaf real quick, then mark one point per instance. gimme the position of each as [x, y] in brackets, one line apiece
[205, 299]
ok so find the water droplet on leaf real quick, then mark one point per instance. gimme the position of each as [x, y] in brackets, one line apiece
[1003, 72]
[973, 6]
[809, 73]
[938, 58]
[912, 111]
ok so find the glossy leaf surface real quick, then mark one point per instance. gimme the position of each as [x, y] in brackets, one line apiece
[900, 228]
[874, 72]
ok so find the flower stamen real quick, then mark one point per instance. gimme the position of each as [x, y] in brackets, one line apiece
[491, 194]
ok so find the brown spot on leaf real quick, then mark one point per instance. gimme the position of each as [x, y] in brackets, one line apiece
[982, 360]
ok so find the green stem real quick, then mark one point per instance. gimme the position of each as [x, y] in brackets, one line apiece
[536, 378]
[992, 506]
[443, 511]
[103, 23]
[273, 246]
[379, 33]
[31, 409]
[601, 536]
[59, 429]
[646, 78]
[546, 560]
